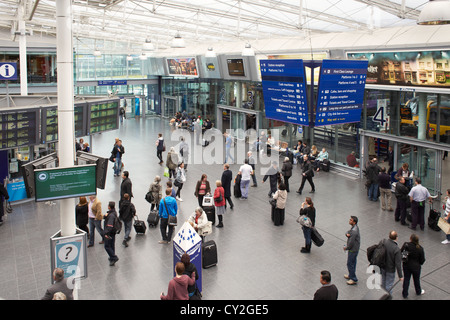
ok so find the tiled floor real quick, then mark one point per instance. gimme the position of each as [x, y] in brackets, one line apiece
[257, 260]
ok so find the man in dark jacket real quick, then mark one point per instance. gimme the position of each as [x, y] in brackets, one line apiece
[328, 291]
[307, 174]
[117, 153]
[126, 186]
[286, 171]
[274, 178]
[60, 285]
[401, 193]
[384, 182]
[393, 262]
[126, 213]
[227, 177]
[353, 245]
[3, 196]
[110, 233]
[372, 171]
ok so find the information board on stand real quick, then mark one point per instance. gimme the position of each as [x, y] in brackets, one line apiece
[285, 91]
[340, 94]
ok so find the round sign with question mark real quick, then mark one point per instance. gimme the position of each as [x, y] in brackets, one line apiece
[67, 253]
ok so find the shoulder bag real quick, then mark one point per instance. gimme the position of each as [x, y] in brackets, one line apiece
[172, 219]
[304, 221]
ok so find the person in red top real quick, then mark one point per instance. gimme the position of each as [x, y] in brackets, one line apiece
[219, 202]
[178, 286]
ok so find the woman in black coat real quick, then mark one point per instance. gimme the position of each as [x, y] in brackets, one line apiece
[308, 210]
[413, 265]
[227, 178]
[82, 214]
[188, 269]
[286, 170]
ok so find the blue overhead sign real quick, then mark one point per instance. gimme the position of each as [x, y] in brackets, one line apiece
[284, 90]
[112, 82]
[8, 71]
[340, 95]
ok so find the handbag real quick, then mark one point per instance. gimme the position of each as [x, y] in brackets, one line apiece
[166, 172]
[304, 221]
[219, 198]
[149, 197]
[172, 219]
[405, 254]
[273, 202]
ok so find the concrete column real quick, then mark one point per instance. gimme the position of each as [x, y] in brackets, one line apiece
[23, 52]
[422, 125]
[66, 130]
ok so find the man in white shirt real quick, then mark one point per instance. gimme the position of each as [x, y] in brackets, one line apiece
[246, 172]
[418, 195]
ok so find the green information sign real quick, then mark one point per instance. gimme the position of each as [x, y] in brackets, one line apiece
[61, 183]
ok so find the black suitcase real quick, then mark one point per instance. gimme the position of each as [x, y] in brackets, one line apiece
[433, 219]
[316, 237]
[209, 254]
[139, 226]
[325, 165]
[210, 213]
[153, 218]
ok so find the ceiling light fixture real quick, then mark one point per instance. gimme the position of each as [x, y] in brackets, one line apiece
[178, 41]
[148, 45]
[248, 50]
[129, 57]
[210, 53]
[435, 12]
[97, 53]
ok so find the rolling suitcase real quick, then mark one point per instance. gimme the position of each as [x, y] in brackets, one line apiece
[209, 254]
[139, 226]
[153, 218]
[316, 237]
[210, 213]
[433, 219]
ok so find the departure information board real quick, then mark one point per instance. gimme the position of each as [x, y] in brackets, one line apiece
[340, 94]
[19, 128]
[284, 90]
[103, 116]
[49, 128]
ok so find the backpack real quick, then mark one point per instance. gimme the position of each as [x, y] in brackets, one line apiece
[376, 254]
[117, 225]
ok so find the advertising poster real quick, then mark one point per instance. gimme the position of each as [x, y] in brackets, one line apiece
[182, 67]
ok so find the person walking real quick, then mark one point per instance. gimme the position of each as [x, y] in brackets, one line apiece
[352, 247]
[219, 202]
[286, 171]
[278, 212]
[156, 190]
[418, 195]
[412, 265]
[226, 179]
[180, 179]
[328, 291]
[127, 211]
[3, 196]
[228, 145]
[95, 220]
[307, 209]
[372, 173]
[401, 193]
[110, 233]
[167, 206]
[384, 182]
[245, 171]
[274, 178]
[126, 186]
[252, 163]
[117, 153]
[178, 286]
[202, 188]
[392, 263]
[82, 214]
[172, 162]
[160, 147]
[184, 152]
[307, 174]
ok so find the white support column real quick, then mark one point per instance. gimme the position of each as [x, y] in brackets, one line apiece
[23, 51]
[66, 135]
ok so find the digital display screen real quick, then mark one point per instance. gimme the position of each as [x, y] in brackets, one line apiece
[19, 128]
[50, 123]
[236, 67]
[182, 67]
[103, 116]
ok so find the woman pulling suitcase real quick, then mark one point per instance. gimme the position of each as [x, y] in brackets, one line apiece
[307, 211]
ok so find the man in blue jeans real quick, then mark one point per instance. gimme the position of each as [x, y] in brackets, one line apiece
[117, 153]
[228, 144]
[353, 244]
[372, 172]
[167, 205]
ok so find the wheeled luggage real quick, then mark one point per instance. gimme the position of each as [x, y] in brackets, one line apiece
[210, 213]
[325, 165]
[209, 254]
[139, 226]
[316, 237]
[153, 218]
[433, 219]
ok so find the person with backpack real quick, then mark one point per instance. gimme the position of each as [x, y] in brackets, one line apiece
[413, 257]
[112, 225]
[393, 262]
[352, 247]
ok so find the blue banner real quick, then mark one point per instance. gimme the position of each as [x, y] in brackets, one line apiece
[284, 90]
[16, 191]
[340, 94]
